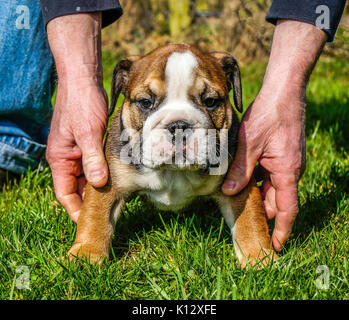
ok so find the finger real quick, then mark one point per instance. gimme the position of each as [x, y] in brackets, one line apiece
[265, 188]
[93, 160]
[66, 187]
[286, 199]
[268, 195]
[241, 170]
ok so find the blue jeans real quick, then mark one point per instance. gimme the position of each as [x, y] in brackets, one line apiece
[26, 87]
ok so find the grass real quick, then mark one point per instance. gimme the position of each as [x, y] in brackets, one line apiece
[189, 255]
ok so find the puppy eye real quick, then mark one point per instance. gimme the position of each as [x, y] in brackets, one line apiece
[145, 104]
[211, 103]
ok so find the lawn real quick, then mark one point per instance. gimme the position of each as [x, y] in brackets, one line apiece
[189, 255]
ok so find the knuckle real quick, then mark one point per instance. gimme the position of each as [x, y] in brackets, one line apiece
[91, 158]
[60, 197]
[296, 164]
[237, 169]
[49, 154]
[84, 132]
[92, 130]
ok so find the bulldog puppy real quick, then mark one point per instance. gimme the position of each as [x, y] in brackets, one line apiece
[173, 140]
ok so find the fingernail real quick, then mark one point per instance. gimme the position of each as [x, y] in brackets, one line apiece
[277, 244]
[96, 176]
[229, 185]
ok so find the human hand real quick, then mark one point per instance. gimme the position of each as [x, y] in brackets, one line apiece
[75, 144]
[272, 130]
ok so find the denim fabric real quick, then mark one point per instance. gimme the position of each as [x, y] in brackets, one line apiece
[17, 154]
[26, 68]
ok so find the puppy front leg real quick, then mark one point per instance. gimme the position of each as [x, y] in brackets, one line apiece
[96, 222]
[245, 216]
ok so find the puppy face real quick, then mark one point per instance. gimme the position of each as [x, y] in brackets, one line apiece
[177, 111]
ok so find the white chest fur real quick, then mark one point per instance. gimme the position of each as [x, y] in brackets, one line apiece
[173, 189]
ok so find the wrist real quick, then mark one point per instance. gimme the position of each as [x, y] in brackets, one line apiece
[82, 77]
[288, 80]
[290, 84]
[295, 50]
[77, 54]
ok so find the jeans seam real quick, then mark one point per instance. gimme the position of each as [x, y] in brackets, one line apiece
[34, 155]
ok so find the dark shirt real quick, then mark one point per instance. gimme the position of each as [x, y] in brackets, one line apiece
[111, 9]
[301, 10]
[306, 11]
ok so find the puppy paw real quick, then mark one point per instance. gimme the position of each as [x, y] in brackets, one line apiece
[85, 250]
[257, 259]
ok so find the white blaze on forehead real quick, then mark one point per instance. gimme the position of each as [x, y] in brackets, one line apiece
[179, 74]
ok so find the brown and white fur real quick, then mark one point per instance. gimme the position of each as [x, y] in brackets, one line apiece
[176, 79]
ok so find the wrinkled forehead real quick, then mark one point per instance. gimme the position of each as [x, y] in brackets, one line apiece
[179, 73]
[176, 74]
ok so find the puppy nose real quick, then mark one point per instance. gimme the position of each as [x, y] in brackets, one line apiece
[180, 124]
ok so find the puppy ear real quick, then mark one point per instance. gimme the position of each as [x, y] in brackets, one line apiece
[120, 80]
[232, 73]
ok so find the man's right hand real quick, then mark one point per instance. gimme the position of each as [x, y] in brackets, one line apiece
[75, 144]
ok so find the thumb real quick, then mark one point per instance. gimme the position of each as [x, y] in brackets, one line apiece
[241, 170]
[94, 164]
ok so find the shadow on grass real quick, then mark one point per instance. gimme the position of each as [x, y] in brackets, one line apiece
[314, 214]
[318, 210]
[205, 215]
[332, 114]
